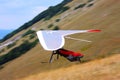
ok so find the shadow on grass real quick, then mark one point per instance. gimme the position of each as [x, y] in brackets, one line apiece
[1, 67]
[43, 62]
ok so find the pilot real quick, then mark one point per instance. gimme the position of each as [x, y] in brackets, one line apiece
[70, 55]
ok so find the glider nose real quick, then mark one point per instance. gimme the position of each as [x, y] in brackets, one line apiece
[81, 55]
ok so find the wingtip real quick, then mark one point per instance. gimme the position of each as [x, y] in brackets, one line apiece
[94, 30]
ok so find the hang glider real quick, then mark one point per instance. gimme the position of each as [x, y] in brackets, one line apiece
[52, 40]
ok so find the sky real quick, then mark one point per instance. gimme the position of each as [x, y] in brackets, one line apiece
[14, 13]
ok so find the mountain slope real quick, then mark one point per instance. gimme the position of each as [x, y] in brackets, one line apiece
[103, 14]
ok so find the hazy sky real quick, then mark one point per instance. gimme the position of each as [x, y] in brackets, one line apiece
[14, 13]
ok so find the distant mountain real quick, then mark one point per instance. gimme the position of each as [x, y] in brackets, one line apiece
[4, 32]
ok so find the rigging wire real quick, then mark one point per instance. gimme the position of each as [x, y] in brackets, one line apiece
[78, 39]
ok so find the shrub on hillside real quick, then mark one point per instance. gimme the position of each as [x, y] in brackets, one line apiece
[90, 0]
[57, 20]
[54, 10]
[89, 5]
[42, 29]
[32, 36]
[1, 67]
[53, 27]
[56, 28]
[64, 9]
[17, 51]
[2, 50]
[50, 25]
[28, 32]
[80, 6]
[11, 45]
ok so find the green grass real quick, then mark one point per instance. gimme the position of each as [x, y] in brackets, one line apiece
[86, 47]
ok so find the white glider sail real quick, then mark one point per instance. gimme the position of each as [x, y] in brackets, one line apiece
[54, 39]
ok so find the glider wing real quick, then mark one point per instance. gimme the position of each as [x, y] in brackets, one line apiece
[54, 39]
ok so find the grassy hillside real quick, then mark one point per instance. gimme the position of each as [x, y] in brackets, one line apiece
[82, 14]
[104, 69]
